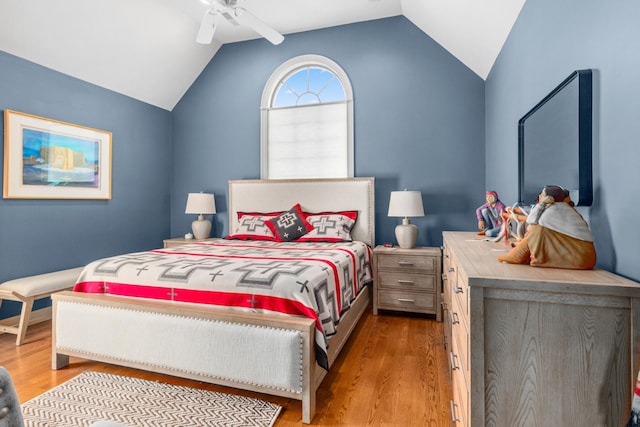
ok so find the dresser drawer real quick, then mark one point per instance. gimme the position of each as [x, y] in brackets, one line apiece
[408, 301]
[459, 292]
[399, 262]
[452, 271]
[459, 386]
[460, 403]
[461, 297]
[460, 341]
[407, 281]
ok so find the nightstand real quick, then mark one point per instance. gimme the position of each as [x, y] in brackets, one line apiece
[407, 280]
[177, 241]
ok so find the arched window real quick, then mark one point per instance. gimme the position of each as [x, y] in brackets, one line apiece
[307, 121]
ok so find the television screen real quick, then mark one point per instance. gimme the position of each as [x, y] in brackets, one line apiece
[555, 139]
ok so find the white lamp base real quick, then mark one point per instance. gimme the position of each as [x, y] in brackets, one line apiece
[201, 228]
[406, 234]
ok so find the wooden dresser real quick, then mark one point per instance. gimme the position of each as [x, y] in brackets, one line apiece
[407, 279]
[536, 346]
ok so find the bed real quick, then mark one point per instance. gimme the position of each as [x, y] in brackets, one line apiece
[249, 347]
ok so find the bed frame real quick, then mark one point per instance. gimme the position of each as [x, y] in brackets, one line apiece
[220, 346]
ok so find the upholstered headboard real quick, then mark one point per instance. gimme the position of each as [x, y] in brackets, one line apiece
[314, 195]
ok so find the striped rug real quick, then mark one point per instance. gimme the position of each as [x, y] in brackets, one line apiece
[94, 396]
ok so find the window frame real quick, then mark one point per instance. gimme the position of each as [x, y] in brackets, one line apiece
[270, 89]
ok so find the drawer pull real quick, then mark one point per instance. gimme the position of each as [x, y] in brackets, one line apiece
[458, 289]
[451, 269]
[453, 358]
[454, 418]
[405, 263]
[454, 318]
[406, 300]
[406, 282]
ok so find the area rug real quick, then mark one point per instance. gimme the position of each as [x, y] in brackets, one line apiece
[94, 396]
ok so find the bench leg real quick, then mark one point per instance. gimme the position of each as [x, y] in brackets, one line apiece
[25, 316]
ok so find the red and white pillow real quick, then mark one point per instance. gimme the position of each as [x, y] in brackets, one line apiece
[330, 226]
[252, 226]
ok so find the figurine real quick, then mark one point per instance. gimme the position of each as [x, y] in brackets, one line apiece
[489, 215]
[557, 235]
[514, 224]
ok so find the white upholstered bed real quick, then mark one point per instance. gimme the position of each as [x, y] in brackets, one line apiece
[267, 353]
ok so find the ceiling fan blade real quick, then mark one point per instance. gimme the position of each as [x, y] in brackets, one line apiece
[247, 18]
[207, 27]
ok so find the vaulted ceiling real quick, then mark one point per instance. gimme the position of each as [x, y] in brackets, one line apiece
[146, 49]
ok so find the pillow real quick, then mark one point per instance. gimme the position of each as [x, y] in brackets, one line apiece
[330, 226]
[289, 225]
[252, 226]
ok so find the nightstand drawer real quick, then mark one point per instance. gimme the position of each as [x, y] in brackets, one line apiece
[406, 301]
[406, 281]
[400, 262]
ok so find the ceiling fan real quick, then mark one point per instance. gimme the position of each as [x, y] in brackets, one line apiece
[237, 15]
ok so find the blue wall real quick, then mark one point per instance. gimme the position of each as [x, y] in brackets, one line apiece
[38, 236]
[419, 122]
[550, 40]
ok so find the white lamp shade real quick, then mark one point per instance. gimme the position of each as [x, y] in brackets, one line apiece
[406, 204]
[200, 203]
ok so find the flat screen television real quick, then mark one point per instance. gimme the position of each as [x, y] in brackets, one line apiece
[554, 142]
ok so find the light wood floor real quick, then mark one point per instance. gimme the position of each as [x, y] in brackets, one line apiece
[393, 372]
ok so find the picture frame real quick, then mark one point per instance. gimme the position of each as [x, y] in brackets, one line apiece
[51, 159]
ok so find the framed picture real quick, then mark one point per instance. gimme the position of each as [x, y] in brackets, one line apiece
[50, 159]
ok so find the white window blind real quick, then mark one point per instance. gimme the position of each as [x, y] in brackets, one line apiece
[308, 142]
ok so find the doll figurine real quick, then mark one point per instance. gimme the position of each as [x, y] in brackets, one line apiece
[490, 216]
[557, 235]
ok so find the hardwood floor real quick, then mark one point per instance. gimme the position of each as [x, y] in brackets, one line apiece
[393, 372]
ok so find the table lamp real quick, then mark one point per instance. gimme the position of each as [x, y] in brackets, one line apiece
[201, 204]
[406, 204]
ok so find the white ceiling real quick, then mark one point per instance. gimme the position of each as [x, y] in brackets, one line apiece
[146, 49]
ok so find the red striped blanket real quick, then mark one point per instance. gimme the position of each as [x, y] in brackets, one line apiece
[316, 280]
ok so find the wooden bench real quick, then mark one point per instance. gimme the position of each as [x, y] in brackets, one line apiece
[28, 289]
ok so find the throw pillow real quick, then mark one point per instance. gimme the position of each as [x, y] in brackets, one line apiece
[289, 225]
